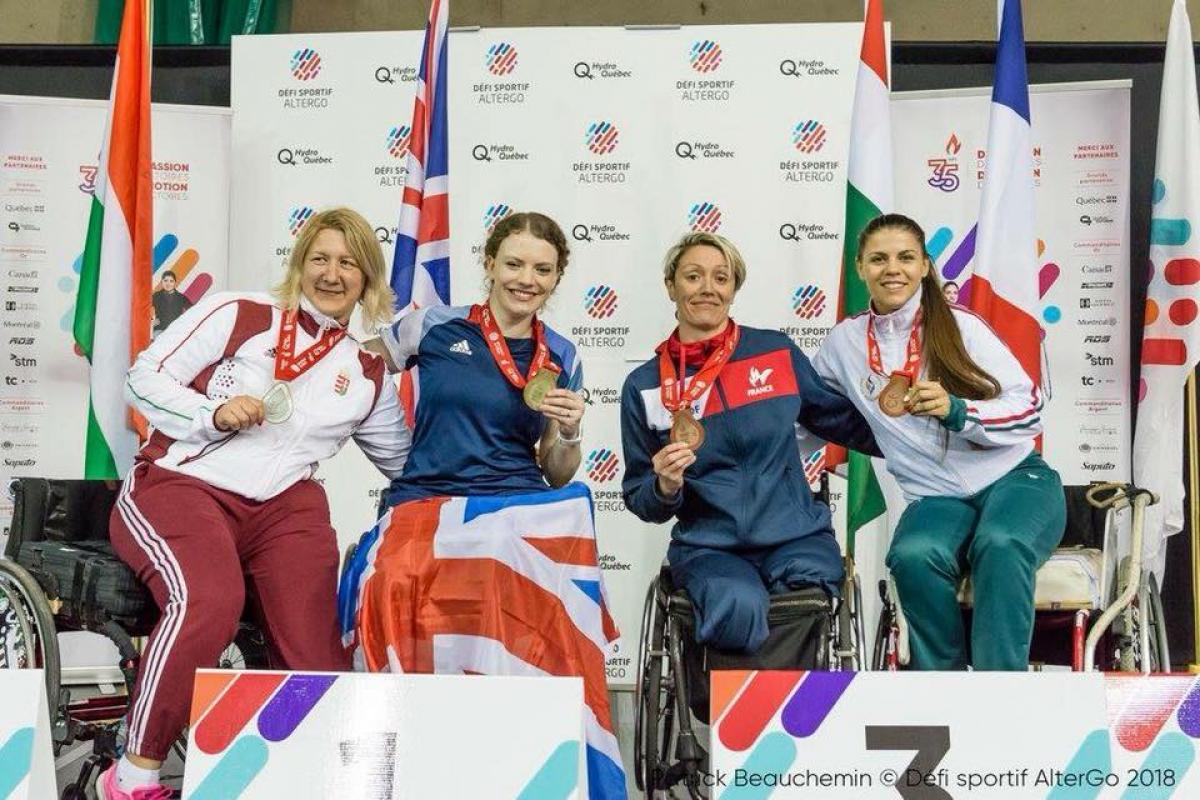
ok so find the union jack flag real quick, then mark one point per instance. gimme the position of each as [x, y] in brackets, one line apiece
[421, 261]
[497, 585]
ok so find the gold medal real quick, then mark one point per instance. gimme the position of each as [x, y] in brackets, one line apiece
[893, 398]
[537, 387]
[687, 429]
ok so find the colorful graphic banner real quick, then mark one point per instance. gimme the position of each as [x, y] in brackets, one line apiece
[403, 737]
[993, 736]
[26, 755]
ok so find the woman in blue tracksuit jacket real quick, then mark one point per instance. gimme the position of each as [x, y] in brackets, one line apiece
[747, 525]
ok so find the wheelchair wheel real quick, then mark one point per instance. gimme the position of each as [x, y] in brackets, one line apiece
[1157, 623]
[884, 631]
[648, 687]
[27, 636]
[248, 650]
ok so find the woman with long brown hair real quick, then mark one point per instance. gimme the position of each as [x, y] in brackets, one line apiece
[956, 418]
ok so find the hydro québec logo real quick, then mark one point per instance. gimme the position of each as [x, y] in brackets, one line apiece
[601, 137]
[808, 136]
[501, 58]
[600, 301]
[705, 55]
[495, 213]
[808, 301]
[297, 217]
[602, 465]
[398, 140]
[306, 64]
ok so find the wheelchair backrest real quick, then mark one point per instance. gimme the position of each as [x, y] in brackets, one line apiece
[59, 510]
[1086, 524]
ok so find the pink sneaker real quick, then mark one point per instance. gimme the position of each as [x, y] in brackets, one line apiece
[107, 789]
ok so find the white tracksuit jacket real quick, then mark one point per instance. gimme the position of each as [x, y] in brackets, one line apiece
[997, 435]
[225, 346]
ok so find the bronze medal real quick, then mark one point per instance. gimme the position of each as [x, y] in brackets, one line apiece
[892, 400]
[687, 429]
[537, 387]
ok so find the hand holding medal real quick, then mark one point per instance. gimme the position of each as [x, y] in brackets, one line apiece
[928, 398]
[895, 399]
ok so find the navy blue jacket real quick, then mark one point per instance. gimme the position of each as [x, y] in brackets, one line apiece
[747, 488]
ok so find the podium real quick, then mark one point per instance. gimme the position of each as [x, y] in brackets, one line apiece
[936, 736]
[26, 755]
[384, 737]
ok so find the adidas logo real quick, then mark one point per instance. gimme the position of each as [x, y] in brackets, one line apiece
[461, 347]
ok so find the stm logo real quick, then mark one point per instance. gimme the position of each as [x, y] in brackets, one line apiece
[298, 217]
[494, 214]
[602, 465]
[306, 64]
[601, 137]
[808, 136]
[1099, 361]
[705, 56]
[808, 301]
[22, 361]
[600, 302]
[759, 382]
[398, 140]
[501, 58]
[704, 216]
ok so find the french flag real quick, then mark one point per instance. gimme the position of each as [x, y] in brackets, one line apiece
[1004, 287]
[421, 262]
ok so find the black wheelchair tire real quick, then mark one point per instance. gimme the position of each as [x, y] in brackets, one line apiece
[1158, 627]
[24, 589]
[648, 686]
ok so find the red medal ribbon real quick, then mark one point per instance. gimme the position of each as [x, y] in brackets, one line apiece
[674, 394]
[498, 347]
[288, 366]
[912, 352]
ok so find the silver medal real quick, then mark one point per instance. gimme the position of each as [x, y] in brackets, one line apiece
[277, 403]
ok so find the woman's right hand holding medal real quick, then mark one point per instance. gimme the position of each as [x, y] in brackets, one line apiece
[238, 413]
[669, 464]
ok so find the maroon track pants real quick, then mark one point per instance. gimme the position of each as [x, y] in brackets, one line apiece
[200, 549]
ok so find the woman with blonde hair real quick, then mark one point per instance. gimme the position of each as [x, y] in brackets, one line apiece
[709, 428]
[246, 394]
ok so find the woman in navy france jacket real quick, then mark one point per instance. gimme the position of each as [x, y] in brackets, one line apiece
[718, 451]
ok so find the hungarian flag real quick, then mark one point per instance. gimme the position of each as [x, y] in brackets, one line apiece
[115, 278]
[1171, 339]
[868, 194]
[1004, 285]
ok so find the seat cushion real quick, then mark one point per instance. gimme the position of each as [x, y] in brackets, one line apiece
[1070, 579]
[86, 583]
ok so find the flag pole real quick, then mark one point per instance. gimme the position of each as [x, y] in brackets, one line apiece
[1194, 519]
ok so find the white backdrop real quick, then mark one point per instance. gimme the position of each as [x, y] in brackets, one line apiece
[48, 154]
[671, 151]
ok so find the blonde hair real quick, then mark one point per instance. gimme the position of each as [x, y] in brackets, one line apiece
[732, 257]
[377, 298]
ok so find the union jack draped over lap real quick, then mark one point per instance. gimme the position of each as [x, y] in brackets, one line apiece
[506, 585]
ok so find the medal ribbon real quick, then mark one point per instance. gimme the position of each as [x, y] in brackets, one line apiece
[482, 315]
[674, 394]
[912, 352]
[288, 366]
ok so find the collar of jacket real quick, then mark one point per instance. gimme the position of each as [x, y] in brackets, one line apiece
[898, 322]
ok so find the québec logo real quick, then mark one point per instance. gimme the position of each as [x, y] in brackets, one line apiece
[297, 217]
[704, 216]
[601, 137]
[705, 56]
[398, 140]
[602, 465]
[600, 302]
[501, 58]
[808, 136]
[306, 64]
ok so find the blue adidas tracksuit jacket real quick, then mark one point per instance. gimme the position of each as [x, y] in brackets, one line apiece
[746, 522]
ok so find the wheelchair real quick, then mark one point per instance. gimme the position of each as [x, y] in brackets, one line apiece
[1107, 603]
[60, 574]
[808, 629]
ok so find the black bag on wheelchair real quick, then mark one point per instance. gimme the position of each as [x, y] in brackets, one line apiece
[797, 639]
[60, 534]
